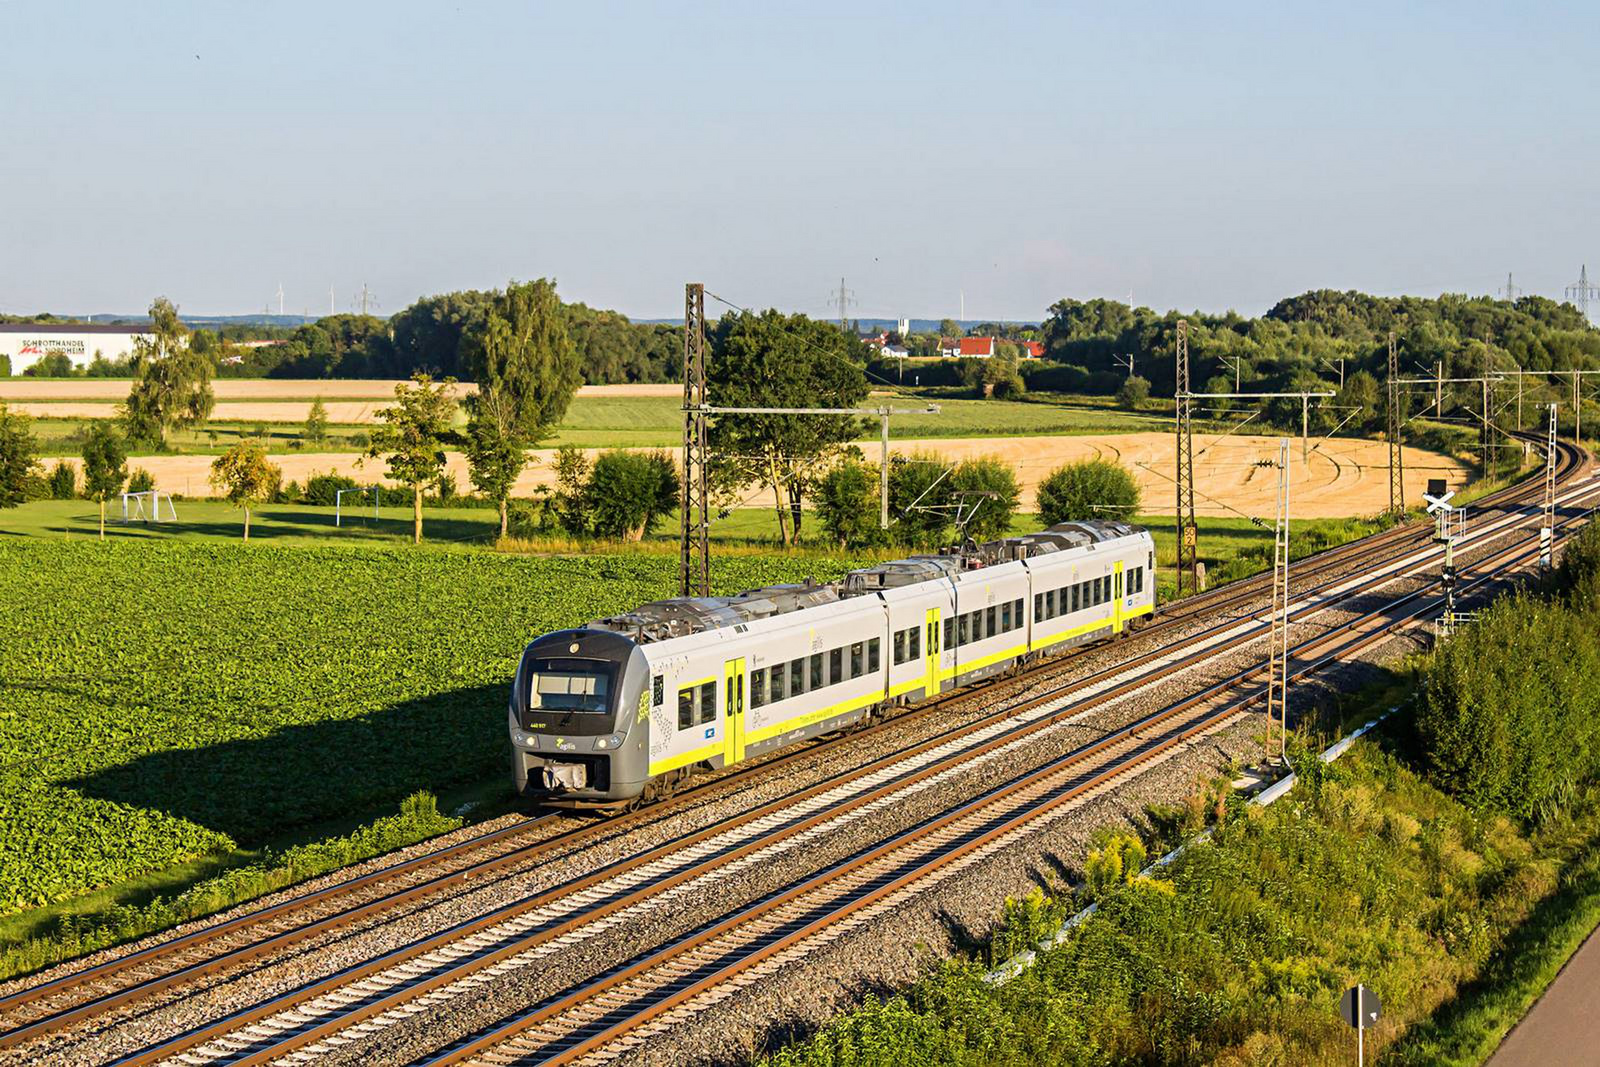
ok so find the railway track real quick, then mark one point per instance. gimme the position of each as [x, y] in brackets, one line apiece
[94, 991]
[362, 1001]
[627, 1006]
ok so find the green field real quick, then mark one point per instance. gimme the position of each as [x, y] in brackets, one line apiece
[657, 421]
[164, 701]
[1230, 547]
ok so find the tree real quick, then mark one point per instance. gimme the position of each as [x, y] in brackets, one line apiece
[919, 499]
[316, 430]
[986, 487]
[5, 365]
[50, 365]
[245, 477]
[63, 481]
[172, 389]
[410, 437]
[1088, 489]
[1360, 399]
[629, 491]
[1135, 392]
[847, 503]
[527, 370]
[951, 328]
[105, 465]
[17, 451]
[778, 360]
[570, 500]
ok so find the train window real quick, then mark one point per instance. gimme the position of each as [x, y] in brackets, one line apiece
[1050, 604]
[1005, 616]
[708, 702]
[899, 651]
[989, 621]
[685, 708]
[1105, 589]
[874, 655]
[913, 643]
[1077, 598]
[949, 633]
[816, 671]
[963, 628]
[835, 666]
[797, 679]
[1038, 605]
[777, 684]
[858, 654]
[1138, 580]
[657, 691]
[1016, 613]
[758, 687]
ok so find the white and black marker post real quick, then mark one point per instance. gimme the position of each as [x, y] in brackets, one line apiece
[1360, 1008]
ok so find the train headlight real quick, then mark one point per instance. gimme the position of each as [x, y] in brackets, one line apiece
[614, 741]
[523, 739]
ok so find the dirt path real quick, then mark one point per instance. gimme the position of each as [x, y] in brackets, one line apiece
[1339, 478]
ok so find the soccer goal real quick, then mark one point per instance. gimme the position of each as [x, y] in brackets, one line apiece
[145, 506]
[338, 501]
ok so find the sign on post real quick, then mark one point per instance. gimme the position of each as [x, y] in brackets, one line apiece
[1359, 1008]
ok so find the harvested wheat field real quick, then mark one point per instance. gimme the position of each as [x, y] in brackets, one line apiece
[96, 397]
[1340, 478]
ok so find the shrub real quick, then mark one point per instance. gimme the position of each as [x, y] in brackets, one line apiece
[847, 499]
[5, 365]
[571, 499]
[141, 481]
[919, 494]
[63, 481]
[991, 515]
[1089, 489]
[322, 489]
[1510, 715]
[629, 491]
[1579, 572]
[1134, 393]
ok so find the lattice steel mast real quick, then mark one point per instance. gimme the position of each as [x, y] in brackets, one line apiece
[694, 571]
[1397, 473]
[1547, 533]
[1188, 532]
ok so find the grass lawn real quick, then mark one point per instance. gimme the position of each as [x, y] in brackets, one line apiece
[1230, 547]
[61, 437]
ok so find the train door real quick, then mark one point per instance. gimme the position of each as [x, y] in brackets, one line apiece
[733, 717]
[1116, 597]
[930, 651]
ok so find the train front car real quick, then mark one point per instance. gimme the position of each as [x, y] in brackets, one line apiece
[577, 733]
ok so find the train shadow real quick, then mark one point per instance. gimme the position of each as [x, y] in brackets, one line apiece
[341, 771]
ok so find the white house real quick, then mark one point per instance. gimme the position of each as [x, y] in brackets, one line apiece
[27, 342]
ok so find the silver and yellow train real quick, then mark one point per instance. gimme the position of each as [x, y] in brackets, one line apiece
[624, 708]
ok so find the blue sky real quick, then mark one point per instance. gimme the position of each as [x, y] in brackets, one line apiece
[1200, 155]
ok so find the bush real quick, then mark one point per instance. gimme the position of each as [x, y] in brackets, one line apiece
[628, 492]
[51, 365]
[5, 365]
[991, 515]
[1134, 393]
[847, 500]
[63, 481]
[1089, 489]
[1579, 573]
[141, 481]
[322, 489]
[919, 491]
[1510, 714]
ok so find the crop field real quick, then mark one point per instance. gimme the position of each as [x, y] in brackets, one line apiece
[594, 420]
[162, 701]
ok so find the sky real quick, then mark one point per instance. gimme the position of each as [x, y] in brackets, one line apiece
[1005, 155]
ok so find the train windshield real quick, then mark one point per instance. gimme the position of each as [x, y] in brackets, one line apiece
[568, 686]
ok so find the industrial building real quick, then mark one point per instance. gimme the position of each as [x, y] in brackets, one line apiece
[26, 342]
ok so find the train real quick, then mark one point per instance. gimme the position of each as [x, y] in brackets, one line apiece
[622, 710]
